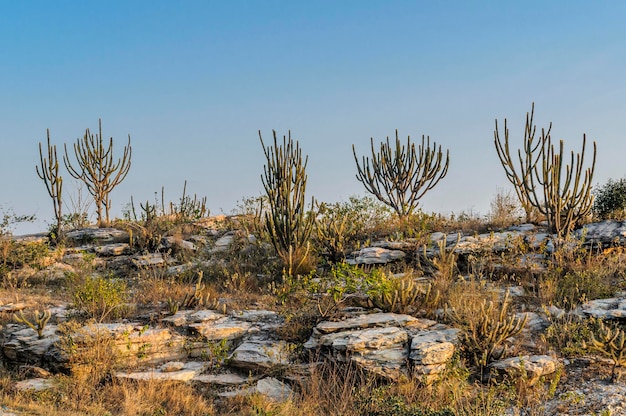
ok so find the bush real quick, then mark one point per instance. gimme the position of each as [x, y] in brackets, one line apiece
[99, 297]
[610, 200]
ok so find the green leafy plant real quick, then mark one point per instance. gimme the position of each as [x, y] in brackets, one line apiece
[400, 176]
[99, 297]
[610, 200]
[38, 323]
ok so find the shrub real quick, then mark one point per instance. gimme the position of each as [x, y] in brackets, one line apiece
[99, 297]
[610, 200]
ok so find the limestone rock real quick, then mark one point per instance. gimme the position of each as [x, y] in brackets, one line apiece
[224, 328]
[367, 321]
[261, 355]
[269, 387]
[605, 232]
[376, 255]
[186, 373]
[98, 236]
[225, 379]
[611, 308]
[151, 259]
[113, 249]
[34, 384]
[535, 366]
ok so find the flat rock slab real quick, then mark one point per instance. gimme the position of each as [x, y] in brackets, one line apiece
[224, 328]
[261, 355]
[223, 380]
[605, 232]
[189, 371]
[376, 255]
[534, 366]
[114, 249]
[151, 259]
[433, 347]
[98, 236]
[33, 384]
[269, 387]
[611, 308]
[367, 321]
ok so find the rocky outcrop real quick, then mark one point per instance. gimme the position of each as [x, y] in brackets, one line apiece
[388, 345]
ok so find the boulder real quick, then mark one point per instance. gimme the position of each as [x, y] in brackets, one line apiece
[261, 355]
[376, 255]
[533, 366]
[98, 236]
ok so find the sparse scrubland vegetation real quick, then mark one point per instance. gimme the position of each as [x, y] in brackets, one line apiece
[294, 255]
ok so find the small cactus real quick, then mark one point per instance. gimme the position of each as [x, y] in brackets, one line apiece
[41, 319]
[611, 343]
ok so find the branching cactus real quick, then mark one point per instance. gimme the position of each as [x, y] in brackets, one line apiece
[484, 337]
[400, 175]
[48, 172]
[98, 169]
[543, 179]
[288, 222]
[611, 342]
[40, 321]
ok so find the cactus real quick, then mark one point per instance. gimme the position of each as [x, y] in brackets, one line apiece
[49, 174]
[40, 321]
[564, 197]
[97, 169]
[288, 223]
[404, 294]
[611, 343]
[484, 337]
[399, 177]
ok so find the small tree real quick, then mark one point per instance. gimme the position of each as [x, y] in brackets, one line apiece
[287, 221]
[400, 176]
[610, 200]
[97, 169]
[48, 172]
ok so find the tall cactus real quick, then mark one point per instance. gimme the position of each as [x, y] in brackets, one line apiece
[287, 221]
[97, 169]
[564, 197]
[48, 172]
[400, 176]
[527, 159]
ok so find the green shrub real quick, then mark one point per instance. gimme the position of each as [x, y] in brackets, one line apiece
[99, 297]
[610, 200]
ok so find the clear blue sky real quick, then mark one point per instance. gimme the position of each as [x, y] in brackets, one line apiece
[193, 81]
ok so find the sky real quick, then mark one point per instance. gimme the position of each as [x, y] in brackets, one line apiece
[193, 82]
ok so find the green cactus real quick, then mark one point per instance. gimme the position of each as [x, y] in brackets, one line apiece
[97, 169]
[48, 172]
[400, 176]
[611, 342]
[40, 321]
[287, 221]
[559, 190]
[484, 337]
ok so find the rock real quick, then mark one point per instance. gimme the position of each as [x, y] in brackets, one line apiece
[535, 366]
[261, 355]
[171, 242]
[368, 321]
[172, 366]
[376, 255]
[151, 259]
[34, 384]
[227, 379]
[603, 233]
[21, 345]
[611, 308]
[274, 389]
[382, 351]
[114, 249]
[223, 243]
[13, 307]
[189, 371]
[224, 328]
[98, 236]
[433, 347]
[270, 387]
[56, 271]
